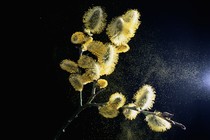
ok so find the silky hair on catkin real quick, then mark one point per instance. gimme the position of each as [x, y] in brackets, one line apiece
[108, 111]
[130, 114]
[144, 97]
[121, 29]
[109, 60]
[69, 66]
[95, 20]
[117, 99]
[157, 123]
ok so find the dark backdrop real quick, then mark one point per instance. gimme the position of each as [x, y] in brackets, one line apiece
[171, 51]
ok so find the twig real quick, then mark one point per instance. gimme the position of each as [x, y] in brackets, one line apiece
[75, 115]
[93, 95]
[80, 95]
[80, 109]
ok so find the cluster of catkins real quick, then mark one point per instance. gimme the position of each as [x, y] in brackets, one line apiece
[88, 69]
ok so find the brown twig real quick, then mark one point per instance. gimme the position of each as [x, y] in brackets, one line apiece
[80, 109]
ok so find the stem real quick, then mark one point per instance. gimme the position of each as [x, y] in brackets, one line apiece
[80, 109]
[62, 130]
[147, 112]
[80, 95]
[143, 111]
[94, 88]
[80, 51]
[93, 95]
[176, 123]
[132, 108]
[75, 115]
[97, 104]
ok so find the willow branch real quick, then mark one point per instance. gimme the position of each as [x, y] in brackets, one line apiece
[75, 115]
[80, 109]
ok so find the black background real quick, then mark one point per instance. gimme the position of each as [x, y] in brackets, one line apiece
[162, 21]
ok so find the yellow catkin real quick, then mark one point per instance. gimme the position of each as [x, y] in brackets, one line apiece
[157, 123]
[91, 74]
[76, 82]
[102, 83]
[117, 99]
[81, 38]
[95, 20]
[131, 22]
[97, 48]
[109, 60]
[123, 28]
[86, 62]
[78, 38]
[69, 66]
[144, 97]
[130, 113]
[108, 111]
[115, 30]
[132, 17]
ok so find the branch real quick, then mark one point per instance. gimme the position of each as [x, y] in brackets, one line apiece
[177, 123]
[80, 109]
[75, 115]
[94, 94]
